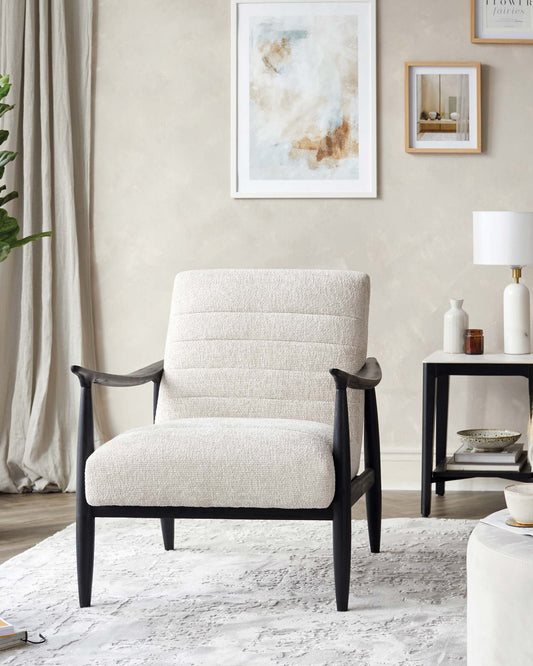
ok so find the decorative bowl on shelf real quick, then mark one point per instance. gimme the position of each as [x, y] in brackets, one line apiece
[519, 500]
[432, 115]
[483, 439]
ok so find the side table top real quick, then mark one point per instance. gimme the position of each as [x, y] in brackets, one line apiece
[442, 357]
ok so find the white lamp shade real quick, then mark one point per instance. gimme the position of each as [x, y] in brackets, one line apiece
[503, 238]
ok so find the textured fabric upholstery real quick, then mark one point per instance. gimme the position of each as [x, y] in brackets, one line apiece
[246, 402]
[274, 463]
[259, 344]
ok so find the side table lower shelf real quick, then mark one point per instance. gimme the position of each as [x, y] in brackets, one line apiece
[438, 369]
[440, 473]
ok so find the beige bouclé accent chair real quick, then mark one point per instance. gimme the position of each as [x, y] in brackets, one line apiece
[248, 421]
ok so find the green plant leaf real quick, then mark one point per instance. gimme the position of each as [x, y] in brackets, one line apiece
[4, 89]
[5, 249]
[8, 197]
[3, 136]
[9, 228]
[5, 86]
[6, 156]
[28, 239]
[4, 108]
[3, 187]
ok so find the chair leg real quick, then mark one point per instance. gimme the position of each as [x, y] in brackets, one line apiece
[167, 527]
[372, 460]
[342, 555]
[373, 516]
[84, 517]
[342, 507]
[85, 557]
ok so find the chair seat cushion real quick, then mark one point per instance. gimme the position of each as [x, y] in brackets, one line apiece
[207, 462]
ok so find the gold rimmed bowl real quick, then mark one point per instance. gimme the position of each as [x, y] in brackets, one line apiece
[519, 500]
[484, 439]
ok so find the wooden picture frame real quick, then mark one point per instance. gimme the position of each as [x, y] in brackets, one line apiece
[453, 123]
[276, 151]
[481, 34]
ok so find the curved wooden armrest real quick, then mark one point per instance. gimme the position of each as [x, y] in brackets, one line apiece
[367, 378]
[151, 373]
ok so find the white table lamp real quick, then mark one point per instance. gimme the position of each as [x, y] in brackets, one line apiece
[504, 238]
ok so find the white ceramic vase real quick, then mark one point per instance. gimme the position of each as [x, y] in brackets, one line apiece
[455, 325]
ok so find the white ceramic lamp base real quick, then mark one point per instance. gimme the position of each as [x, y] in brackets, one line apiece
[516, 326]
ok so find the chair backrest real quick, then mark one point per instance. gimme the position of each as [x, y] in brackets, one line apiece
[259, 344]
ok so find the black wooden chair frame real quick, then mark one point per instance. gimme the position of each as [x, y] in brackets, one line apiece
[347, 490]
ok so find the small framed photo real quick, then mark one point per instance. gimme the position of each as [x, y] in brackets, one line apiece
[443, 107]
[303, 99]
[502, 21]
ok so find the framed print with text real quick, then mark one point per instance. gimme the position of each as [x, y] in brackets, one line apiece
[303, 99]
[443, 107]
[502, 21]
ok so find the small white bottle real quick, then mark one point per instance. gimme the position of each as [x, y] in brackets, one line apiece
[455, 325]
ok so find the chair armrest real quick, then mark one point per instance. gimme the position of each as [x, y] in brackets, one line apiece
[151, 373]
[368, 376]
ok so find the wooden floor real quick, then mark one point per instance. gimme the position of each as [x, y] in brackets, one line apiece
[27, 519]
[31, 517]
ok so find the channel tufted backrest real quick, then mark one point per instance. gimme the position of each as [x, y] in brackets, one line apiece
[259, 344]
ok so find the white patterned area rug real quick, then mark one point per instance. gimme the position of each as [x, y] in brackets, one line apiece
[250, 592]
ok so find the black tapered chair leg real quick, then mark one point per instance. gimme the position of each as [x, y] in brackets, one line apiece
[167, 527]
[342, 556]
[373, 461]
[84, 517]
[373, 517]
[85, 557]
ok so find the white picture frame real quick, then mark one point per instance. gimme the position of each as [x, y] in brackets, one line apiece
[297, 165]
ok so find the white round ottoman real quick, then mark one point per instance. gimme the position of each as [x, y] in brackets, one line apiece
[500, 598]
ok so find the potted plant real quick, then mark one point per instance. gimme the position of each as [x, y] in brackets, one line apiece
[9, 227]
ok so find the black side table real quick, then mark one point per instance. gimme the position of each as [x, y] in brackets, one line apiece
[438, 368]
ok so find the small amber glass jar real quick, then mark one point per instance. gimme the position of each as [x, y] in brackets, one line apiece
[474, 341]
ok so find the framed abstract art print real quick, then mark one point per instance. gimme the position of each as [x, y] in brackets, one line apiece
[303, 99]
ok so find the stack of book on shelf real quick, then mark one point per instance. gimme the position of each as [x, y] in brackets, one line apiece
[467, 459]
[9, 637]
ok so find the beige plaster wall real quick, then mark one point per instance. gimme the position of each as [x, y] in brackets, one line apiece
[162, 204]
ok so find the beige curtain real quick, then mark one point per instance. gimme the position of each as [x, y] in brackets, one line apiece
[45, 298]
